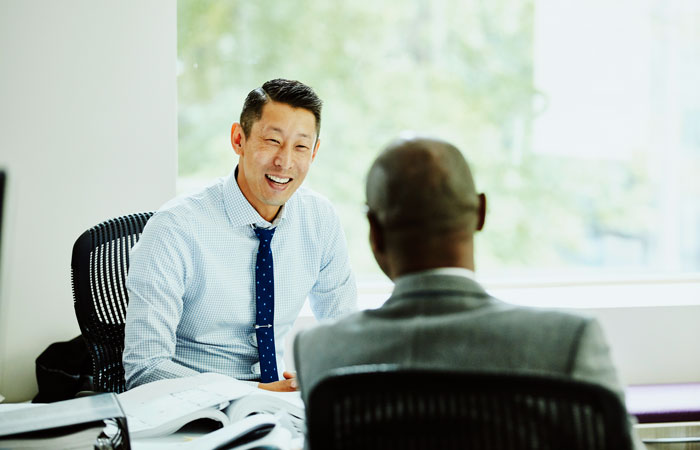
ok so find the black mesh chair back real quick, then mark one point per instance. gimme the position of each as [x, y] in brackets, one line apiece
[98, 270]
[360, 408]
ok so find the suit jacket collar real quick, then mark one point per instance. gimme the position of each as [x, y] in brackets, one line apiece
[431, 286]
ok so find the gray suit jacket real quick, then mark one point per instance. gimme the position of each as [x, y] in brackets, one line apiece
[446, 321]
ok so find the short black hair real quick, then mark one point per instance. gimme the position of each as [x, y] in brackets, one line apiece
[422, 185]
[291, 92]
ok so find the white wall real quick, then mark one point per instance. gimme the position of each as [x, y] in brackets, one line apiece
[656, 344]
[88, 131]
[654, 341]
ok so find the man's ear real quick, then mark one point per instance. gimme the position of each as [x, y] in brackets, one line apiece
[481, 212]
[237, 138]
[318, 142]
[377, 240]
[376, 234]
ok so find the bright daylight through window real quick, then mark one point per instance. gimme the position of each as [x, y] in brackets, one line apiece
[581, 119]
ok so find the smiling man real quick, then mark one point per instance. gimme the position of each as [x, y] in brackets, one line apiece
[218, 278]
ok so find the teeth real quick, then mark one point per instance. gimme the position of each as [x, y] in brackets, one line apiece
[278, 179]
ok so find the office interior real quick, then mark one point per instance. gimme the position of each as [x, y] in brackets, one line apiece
[89, 131]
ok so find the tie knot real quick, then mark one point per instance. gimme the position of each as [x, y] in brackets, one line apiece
[264, 234]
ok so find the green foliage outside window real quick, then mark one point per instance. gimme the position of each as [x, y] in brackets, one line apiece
[460, 70]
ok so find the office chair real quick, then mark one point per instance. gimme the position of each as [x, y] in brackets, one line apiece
[98, 271]
[372, 407]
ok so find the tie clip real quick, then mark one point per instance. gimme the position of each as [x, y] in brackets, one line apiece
[263, 326]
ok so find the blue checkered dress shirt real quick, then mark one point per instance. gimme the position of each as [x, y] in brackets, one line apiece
[191, 276]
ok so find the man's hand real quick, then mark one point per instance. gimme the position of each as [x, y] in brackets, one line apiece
[289, 384]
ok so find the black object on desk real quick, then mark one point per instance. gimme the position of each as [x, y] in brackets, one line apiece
[80, 421]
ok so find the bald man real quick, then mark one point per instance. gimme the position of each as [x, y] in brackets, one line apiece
[423, 213]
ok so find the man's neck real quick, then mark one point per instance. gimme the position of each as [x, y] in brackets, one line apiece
[416, 255]
[267, 212]
[457, 256]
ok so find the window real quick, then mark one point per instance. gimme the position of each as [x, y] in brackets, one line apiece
[581, 120]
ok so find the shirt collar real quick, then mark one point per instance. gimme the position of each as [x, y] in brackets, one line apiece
[438, 281]
[241, 212]
[456, 271]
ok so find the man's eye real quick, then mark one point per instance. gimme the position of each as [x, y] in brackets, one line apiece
[273, 141]
[302, 147]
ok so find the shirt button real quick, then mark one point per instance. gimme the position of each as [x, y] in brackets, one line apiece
[255, 368]
[253, 339]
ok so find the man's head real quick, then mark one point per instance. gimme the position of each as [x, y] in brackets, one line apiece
[423, 207]
[289, 92]
[276, 141]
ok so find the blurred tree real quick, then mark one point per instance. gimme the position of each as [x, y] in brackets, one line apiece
[461, 70]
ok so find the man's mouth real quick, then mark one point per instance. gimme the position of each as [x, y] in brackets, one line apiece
[278, 180]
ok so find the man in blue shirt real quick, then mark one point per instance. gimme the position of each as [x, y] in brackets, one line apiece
[195, 299]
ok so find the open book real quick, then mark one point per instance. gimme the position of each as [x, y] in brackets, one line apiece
[165, 406]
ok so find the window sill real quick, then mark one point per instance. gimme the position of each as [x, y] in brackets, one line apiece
[577, 293]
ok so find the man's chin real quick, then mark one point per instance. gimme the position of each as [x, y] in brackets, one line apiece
[277, 200]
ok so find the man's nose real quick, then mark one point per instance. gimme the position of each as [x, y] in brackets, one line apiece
[283, 158]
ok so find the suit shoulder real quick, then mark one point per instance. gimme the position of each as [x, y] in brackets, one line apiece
[553, 314]
[547, 322]
[330, 328]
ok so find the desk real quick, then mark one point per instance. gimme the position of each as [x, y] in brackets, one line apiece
[663, 403]
[186, 438]
[666, 411]
[669, 430]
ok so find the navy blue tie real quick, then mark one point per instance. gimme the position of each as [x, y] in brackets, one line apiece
[265, 306]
